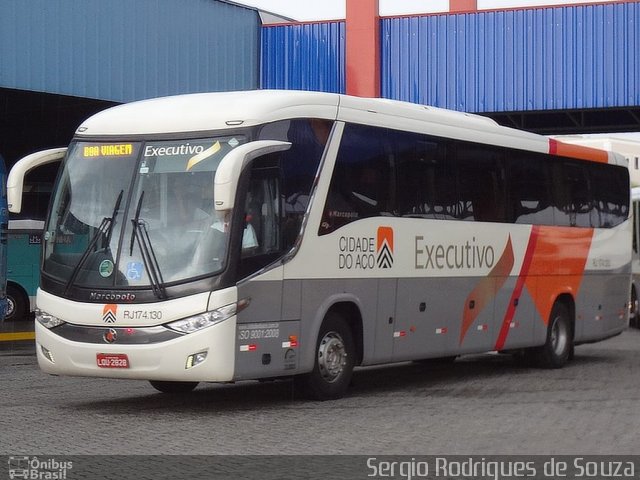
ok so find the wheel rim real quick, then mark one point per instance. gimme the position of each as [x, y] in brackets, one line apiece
[633, 305]
[332, 356]
[559, 336]
[11, 306]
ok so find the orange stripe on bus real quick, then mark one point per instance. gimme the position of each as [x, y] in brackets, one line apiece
[577, 151]
[557, 265]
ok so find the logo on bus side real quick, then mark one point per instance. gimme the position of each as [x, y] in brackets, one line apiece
[109, 313]
[385, 247]
[366, 253]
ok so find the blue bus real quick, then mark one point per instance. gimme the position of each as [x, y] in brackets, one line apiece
[4, 216]
[24, 242]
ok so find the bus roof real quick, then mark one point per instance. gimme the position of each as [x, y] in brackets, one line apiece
[202, 112]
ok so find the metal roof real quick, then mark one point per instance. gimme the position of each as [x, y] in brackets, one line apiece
[123, 50]
[533, 59]
[304, 56]
[570, 57]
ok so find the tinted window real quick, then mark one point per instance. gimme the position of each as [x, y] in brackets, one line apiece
[387, 172]
[529, 188]
[361, 182]
[481, 182]
[610, 189]
[425, 177]
[572, 195]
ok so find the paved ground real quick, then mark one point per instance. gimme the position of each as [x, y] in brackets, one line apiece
[484, 404]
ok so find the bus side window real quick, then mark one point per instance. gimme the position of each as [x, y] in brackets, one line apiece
[299, 165]
[530, 198]
[608, 186]
[425, 180]
[481, 182]
[572, 195]
[263, 219]
[361, 181]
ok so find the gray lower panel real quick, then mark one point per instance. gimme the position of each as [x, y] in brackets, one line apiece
[412, 318]
[601, 306]
[266, 349]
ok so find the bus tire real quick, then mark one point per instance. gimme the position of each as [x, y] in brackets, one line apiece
[173, 387]
[17, 303]
[335, 357]
[557, 350]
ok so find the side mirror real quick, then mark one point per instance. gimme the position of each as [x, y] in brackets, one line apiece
[15, 180]
[232, 165]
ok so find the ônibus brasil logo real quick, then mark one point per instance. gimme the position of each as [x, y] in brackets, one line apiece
[365, 253]
[109, 313]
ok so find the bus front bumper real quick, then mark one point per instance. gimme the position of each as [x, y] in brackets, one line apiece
[172, 360]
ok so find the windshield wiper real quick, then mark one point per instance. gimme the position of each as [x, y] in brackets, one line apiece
[112, 221]
[151, 265]
[105, 228]
[135, 222]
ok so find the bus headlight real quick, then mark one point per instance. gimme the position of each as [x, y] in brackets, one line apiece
[46, 320]
[203, 320]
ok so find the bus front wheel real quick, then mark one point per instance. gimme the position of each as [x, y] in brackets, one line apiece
[173, 387]
[17, 303]
[335, 358]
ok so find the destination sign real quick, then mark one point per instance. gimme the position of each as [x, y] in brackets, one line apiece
[112, 150]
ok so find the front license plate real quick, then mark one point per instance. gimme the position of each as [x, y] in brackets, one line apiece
[112, 360]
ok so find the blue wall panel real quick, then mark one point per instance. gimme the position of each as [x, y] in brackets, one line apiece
[308, 56]
[570, 57]
[124, 50]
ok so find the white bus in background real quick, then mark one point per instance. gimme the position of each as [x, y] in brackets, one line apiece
[634, 318]
[267, 234]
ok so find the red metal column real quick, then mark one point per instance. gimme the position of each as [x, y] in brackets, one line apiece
[363, 48]
[463, 5]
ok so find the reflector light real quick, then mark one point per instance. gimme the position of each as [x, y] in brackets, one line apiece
[47, 354]
[195, 359]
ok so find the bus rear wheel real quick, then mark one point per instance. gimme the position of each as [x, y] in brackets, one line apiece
[173, 387]
[17, 303]
[558, 347]
[334, 362]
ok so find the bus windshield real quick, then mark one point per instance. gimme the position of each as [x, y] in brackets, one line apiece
[137, 214]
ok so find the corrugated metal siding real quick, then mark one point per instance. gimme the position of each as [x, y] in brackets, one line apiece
[571, 57]
[306, 56]
[124, 50]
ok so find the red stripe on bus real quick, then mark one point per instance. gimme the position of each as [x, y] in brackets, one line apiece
[524, 271]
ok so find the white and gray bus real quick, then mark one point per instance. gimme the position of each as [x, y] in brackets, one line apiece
[263, 234]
